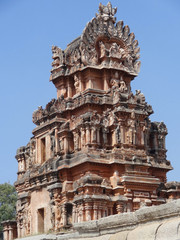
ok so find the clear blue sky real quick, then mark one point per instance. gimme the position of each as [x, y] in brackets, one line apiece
[28, 29]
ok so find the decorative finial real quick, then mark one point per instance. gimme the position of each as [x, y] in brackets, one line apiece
[107, 12]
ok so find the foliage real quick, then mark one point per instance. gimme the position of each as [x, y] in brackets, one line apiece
[8, 198]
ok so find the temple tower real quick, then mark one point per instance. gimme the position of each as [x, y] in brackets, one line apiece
[94, 151]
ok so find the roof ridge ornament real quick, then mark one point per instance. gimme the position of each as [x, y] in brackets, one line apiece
[107, 12]
[103, 44]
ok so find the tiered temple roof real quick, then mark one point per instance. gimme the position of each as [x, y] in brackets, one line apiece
[94, 151]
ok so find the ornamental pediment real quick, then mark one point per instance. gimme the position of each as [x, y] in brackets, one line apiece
[103, 44]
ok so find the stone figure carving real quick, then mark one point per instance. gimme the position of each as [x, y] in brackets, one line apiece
[26, 214]
[95, 118]
[111, 29]
[80, 213]
[106, 182]
[93, 134]
[160, 141]
[105, 139]
[112, 118]
[113, 50]
[106, 121]
[53, 142]
[131, 133]
[50, 105]
[162, 128]
[58, 57]
[37, 114]
[61, 142]
[118, 134]
[116, 51]
[83, 137]
[84, 54]
[115, 179]
[57, 217]
[32, 151]
[76, 140]
[77, 83]
[122, 87]
[93, 57]
[76, 57]
[103, 49]
[114, 83]
[57, 211]
[140, 98]
[137, 66]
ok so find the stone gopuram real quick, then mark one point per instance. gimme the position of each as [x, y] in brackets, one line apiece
[94, 151]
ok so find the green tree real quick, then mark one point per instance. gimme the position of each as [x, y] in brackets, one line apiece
[8, 198]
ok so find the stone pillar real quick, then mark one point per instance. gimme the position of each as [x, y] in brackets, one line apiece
[37, 146]
[130, 136]
[122, 134]
[80, 213]
[105, 136]
[99, 212]
[64, 215]
[5, 234]
[90, 83]
[83, 137]
[74, 214]
[104, 209]
[69, 89]
[93, 135]
[111, 211]
[142, 136]
[23, 230]
[98, 136]
[66, 145]
[164, 142]
[95, 209]
[10, 233]
[88, 135]
[134, 136]
[57, 150]
[106, 86]
[23, 164]
[155, 141]
[113, 138]
[76, 140]
[103, 212]
[18, 231]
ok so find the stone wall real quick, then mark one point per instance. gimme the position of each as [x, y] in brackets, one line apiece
[148, 223]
